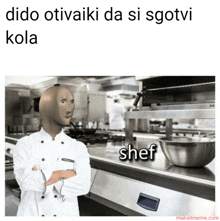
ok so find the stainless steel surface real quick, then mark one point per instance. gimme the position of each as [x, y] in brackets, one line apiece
[187, 114]
[169, 123]
[183, 106]
[188, 151]
[129, 127]
[109, 152]
[143, 125]
[123, 84]
[154, 128]
[192, 131]
[125, 191]
[186, 88]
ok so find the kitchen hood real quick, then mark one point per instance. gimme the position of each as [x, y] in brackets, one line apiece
[123, 85]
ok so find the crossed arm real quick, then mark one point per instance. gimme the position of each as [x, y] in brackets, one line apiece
[58, 175]
[31, 178]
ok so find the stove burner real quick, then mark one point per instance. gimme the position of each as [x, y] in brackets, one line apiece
[118, 138]
[91, 139]
[98, 138]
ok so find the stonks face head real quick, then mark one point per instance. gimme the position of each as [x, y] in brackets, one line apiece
[57, 106]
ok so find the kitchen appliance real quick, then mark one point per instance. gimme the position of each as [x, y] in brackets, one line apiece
[188, 151]
[88, 136]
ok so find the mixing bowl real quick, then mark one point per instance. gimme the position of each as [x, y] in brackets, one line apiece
[188, 151]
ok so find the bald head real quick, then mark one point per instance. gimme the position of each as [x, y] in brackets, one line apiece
[57, 105]
[48, 100]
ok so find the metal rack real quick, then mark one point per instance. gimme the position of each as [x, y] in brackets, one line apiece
[165, 97]
[210, 86]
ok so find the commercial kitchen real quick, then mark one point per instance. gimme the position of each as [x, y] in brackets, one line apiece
[175, 113]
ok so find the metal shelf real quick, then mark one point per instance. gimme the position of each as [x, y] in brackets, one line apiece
[185, 88]
[170, 114]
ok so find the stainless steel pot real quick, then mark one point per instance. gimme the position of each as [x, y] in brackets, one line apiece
[187, 151]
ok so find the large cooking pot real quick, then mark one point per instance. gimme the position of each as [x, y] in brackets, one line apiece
[188, 151]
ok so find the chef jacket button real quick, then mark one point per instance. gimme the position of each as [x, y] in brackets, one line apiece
[62, 142]
[55, 196]
[42, 197]
[42, 141]
[54, 215]
[43, 159]
[42, 215]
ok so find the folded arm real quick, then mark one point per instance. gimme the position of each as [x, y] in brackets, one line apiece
[27, 179]
[76, 183]
[67, 182]
[58, 175]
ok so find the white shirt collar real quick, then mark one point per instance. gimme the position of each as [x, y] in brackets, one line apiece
[45, 136]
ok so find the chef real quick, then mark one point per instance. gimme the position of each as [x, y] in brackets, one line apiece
[116, 117]
[51, 168]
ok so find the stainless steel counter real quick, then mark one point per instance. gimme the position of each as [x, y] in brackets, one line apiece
[195, 181]
[160, 165]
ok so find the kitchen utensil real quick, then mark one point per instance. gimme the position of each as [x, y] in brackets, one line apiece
[138, 97]
[188, 151]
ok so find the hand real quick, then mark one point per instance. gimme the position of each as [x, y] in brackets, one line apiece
[58, 175]
[34, 169]
[67, 174]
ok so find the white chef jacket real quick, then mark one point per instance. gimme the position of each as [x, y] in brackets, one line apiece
[116, 119]
[47, 155]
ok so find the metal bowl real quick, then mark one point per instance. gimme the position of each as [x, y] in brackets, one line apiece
[187, 151]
